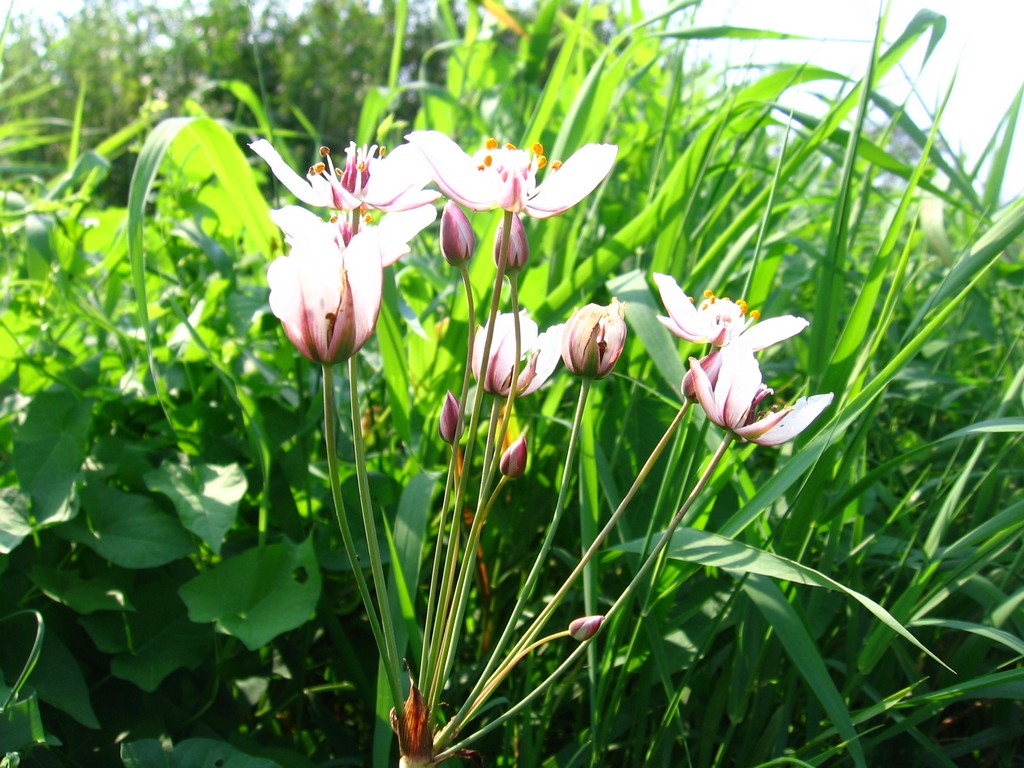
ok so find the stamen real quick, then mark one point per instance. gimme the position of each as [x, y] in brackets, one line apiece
[709, 294]
[538, 148]
[325, 151]
[755, 314]
[491, 143]
[318, 168]
[488, 160]
[541, 161]
[382, 151]
[367, 218]
[742, 305]
[509, 145]
[556, 165]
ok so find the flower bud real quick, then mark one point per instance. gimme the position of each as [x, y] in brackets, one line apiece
[458, 240]
[585, 627]
[513, 460]
[594, 338]
[519, 248]
[712, 364]
[448, 426]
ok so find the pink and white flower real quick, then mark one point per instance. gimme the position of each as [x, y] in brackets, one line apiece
[542, 352]
[731, 402]
[327, 293]
[506, 177]
[719, 322]
[394, 231]
[370, 178]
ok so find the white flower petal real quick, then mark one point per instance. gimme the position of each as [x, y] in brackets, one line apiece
[455, 172]
[398, 228]
[773, 330]
[805, 410]
[577, 178]
[293, 182]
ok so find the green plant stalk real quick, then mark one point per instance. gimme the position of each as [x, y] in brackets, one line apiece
[485, 678]
[330, 439]
[622, 599]
[495, 439]
[474, 702]
[435, 681]
[427, 661]
[391, 654]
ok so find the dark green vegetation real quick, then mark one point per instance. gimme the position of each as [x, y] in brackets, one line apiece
[164, 513]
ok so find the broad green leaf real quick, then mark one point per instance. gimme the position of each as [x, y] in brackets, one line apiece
[48, 452]
[104, 592]
[694, 546]
[21, 725]
[258, 594]
[205, 496]
[191, 753]
[159, 638]
[128, 530]
[14, 518]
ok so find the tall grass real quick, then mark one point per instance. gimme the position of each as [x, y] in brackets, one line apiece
[160, 435]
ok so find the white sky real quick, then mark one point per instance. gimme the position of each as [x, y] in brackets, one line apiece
[982, 45]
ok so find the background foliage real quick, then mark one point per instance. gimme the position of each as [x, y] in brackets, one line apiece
[172, 590]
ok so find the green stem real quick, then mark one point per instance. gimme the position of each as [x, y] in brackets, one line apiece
[526, 592]
[390, 650]
[427, 660]
[330, 439]
[622, 599]
[446, 625]
[535, 628]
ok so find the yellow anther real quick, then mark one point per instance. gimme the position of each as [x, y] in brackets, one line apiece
[367, 218]
[541, 161]
[538, 148]
[318, 169]
[491, 143]
[361, 165]
[382, 151]
[755, 314]
[509, 145]
[742, 305]
[709, 294]
[325, 151]
[556, 165]
[488, 160]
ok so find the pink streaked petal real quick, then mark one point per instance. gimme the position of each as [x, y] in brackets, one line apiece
[293, 182]
[577, 178]
[704, 392]
[804, 411]
[397, 229]
[364, 271]
[455, 172]
[397, 181]
[738, 382]
[753, 432]
[773, 330]
[683, 319]
[549, 352]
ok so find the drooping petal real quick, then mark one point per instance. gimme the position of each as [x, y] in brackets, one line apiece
[683, 319]
[764, 333]
[704, 391]
[455, 172]
[800, 415]
[365, 277]
[301, 187]
[578, 177]
[548, 348]
[398, 228]
[397, 181]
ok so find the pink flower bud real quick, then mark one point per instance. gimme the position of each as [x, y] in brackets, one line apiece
[513, 460]
[458, 240]
[448, 426]
[585, 628]
[519, 248]
[594, 338]
[711, 364]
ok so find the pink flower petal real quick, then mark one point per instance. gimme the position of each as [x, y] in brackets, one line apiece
[397, 181]
[455, 172]
[773, 330]
[299, 186]
[804, 411]
[683, 319]
[577, 178]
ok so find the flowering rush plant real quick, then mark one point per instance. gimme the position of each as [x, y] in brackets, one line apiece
[327, 293]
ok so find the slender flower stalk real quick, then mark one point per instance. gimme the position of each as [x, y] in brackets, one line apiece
[330, 440]
[443, 752]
